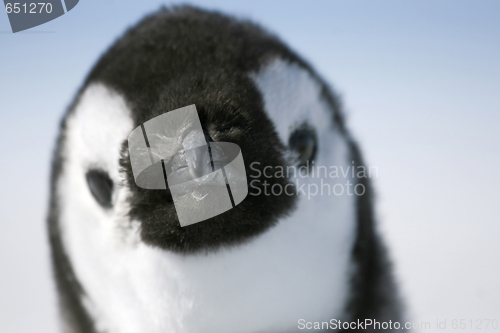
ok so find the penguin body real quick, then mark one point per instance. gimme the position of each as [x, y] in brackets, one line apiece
[121, 260]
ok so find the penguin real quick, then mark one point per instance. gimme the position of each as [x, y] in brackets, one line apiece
[282, 260]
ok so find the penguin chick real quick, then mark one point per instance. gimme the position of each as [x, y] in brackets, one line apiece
[122, 262]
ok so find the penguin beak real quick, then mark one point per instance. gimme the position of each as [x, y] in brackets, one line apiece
[187, 178]
[188, 164]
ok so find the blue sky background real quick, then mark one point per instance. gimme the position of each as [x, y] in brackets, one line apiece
[420, 83]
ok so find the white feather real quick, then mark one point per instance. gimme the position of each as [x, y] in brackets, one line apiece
[298, 269]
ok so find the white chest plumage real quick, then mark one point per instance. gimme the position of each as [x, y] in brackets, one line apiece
[298, 269]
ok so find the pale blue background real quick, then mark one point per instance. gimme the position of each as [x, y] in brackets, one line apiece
[420, 81]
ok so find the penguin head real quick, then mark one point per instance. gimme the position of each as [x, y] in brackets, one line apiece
[133, 260]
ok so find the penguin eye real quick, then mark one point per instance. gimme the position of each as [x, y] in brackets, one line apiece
[303, 142]
[101, 187]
